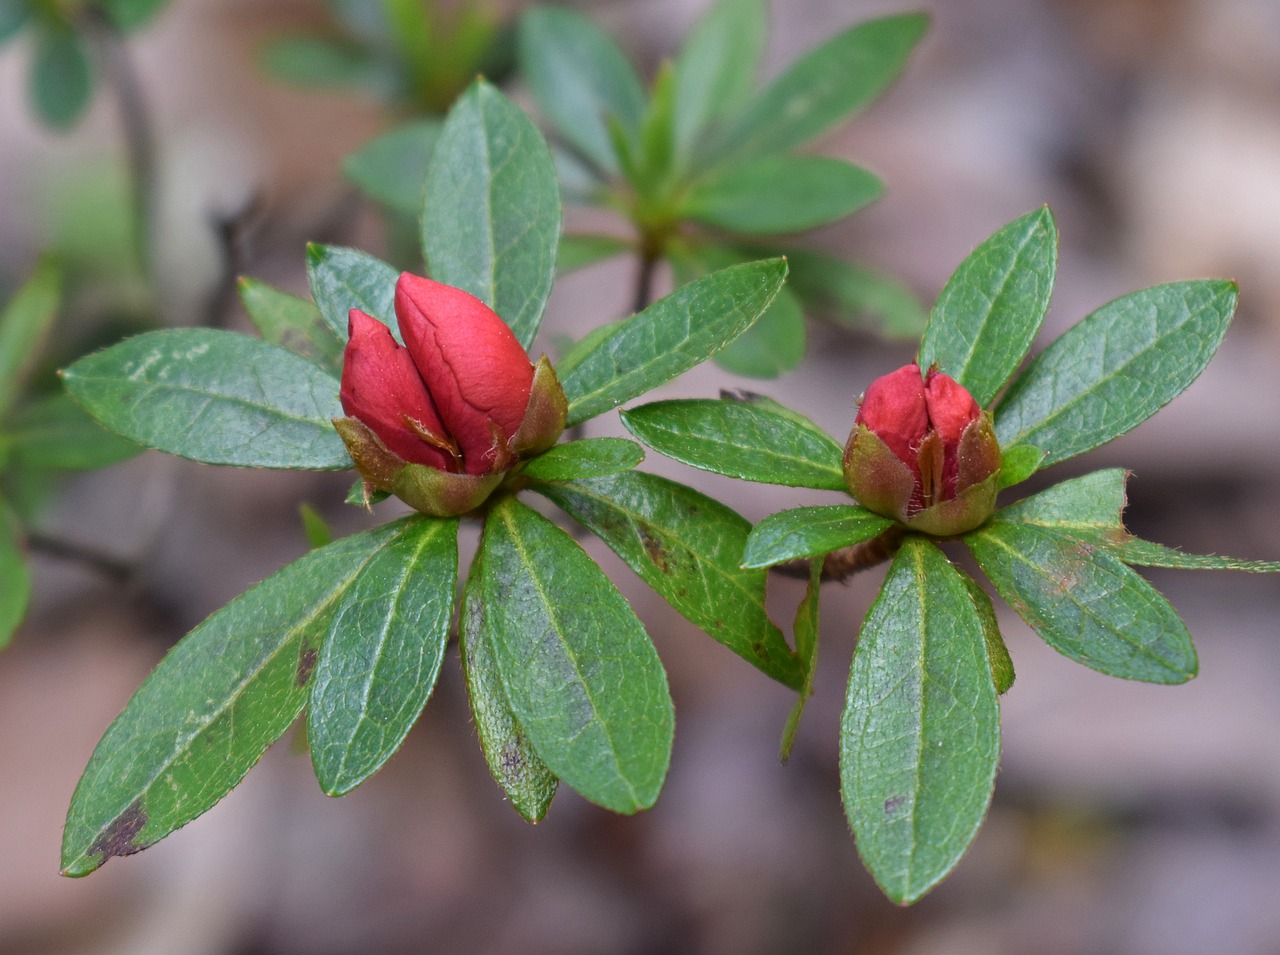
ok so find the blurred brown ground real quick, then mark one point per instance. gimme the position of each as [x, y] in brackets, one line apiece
[1127, 818]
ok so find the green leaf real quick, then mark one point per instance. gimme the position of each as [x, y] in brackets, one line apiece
[314, 527]
[806, 631]
[590, 457]
[579, 251]
[773, 194]
[381, 656]
[669, 337]
[16, 592]
[393, 167]
[715, 71]
[579, 78]
[685, 546]
[214, 396]
[810, 532]
[824, 86]
[738, 440]
[14, 15]
[773, 346]
[24, 323]
[1116, 368]
[212, 706]
[920, 736]
[491, 222]
[292, 323]
[61, 75]
[515, 766]
[323, 63]
[131, 14]
[1002, 674]
[580, 673]
[342, 279]
[655, 149]
[1019, 463]
[992, 307]
[854, 295]
[1085, 603]
[56, 433]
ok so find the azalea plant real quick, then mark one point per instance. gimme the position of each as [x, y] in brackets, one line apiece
[932, 444]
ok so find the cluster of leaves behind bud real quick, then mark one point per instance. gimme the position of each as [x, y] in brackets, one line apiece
[564, 683]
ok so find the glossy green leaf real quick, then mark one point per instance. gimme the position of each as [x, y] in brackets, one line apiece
[854, 295]
[491, 222]
[773, 346]
[1085, 603]
[806, 631]
[523, 776]
[739, 440]
[61, 79]
[16, 592]
[992, 307]
[687, 547]
[1002, 674]
[579, 78]
[293, 323]
[715, 71]
[810, 532]
[324, 63]
[826, 85]
[668, 338]
[214, 396]
[342, 279]
[590, 457]
[774, 194]
[212, 706]
[1018, 463]
[56, 433]
[24, 323]
[1116, 368]
[579, 251]
[655, 146]
[920, 736]
[393, 167]
[580, 673]
[382, 653]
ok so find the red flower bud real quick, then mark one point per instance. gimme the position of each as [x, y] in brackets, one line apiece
[459, 398]
[922, 451]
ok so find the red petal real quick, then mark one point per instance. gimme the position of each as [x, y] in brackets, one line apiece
[476, 370]
[894, 408]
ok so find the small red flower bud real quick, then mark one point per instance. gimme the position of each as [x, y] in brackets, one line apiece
[439, 420]
[923, 452]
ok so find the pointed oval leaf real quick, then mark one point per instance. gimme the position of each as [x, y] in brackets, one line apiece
[392, 168]
[774, 194]
[806, 631]
[579, 251]
[668, 338]
[590, 457]
[739, 440]
[491, 219]
[381, 656]
[580, 79]
[1002, 674]
[342, 279]
[521, 773]
[580, 673]
[773, 346]
[293, 323]
[1116, 368]
[214, 396]
[920, 735]
[810, 532]
[61, 79]
[209, 710]
[854, 295]
[23, 325]
[1085, 603]
[16, 592]
[687, 547]
[58, 434]
[824, 86]
[992, 307]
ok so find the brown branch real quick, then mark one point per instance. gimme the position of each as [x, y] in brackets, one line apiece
[844, 563]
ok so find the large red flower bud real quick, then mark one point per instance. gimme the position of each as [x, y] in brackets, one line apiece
[441, 419]
[923, 452]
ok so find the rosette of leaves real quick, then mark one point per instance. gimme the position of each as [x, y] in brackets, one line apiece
[705, 167]
[61, 78]
[42, 434]
[920, 735]
[563, 681]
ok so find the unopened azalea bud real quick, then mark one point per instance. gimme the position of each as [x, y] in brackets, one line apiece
[923, 452]
[439, 420]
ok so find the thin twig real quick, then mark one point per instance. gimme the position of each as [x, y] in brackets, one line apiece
[108, 565]
[842, 564]
[644, 282]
